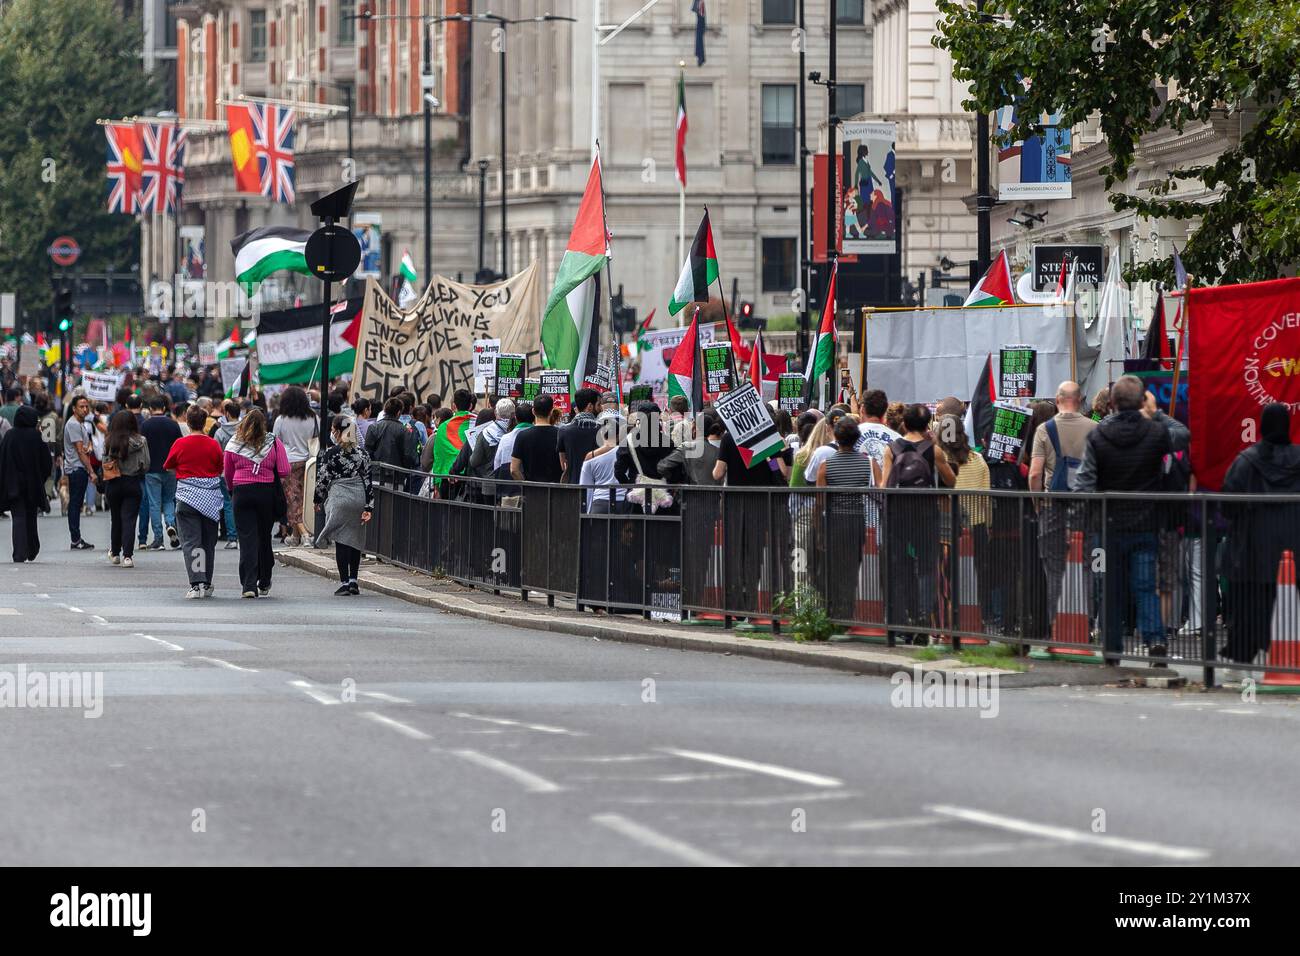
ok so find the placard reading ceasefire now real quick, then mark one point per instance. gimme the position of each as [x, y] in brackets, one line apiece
[429, 347]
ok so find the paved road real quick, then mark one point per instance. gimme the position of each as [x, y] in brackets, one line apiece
[310, 729]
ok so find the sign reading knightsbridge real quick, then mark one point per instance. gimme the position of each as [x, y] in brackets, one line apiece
[429, 347]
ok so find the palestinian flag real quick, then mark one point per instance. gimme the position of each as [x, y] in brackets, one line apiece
[683, 371]
[267, 249]
[448, 440]
[980, 411]
[571, 322]
[699, 271]
[757, 363]
[288, 343]
[406, 293]
[681, 129]
[994, 287]
[821, 357]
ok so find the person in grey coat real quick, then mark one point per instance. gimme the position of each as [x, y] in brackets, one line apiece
[344, 488]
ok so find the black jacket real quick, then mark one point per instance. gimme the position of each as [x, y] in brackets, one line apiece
[1128, 450]
[25, 462]
[391, 442]
[1261, 531]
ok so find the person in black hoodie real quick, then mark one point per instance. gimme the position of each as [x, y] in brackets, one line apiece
[1126, 452]
[1259, 533]
[25, 464]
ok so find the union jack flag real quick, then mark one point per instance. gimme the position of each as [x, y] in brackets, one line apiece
[273, 137]
[123, 170]
[163, 173]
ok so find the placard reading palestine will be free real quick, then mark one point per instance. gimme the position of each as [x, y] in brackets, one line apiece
[718, 368]
[789, 393]
[510, 374]
[1018, 366]
[1008, 435]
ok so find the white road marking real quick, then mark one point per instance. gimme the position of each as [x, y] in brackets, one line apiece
[541, 728]
[387, 698]
[319, 696]
[96, 619]
[404, 729]
[74, 610]
[30, 584]
[772, 770]
[898, 823]
[1239, 711]
[532, 783]
[613, 758]
[226, 664]
[658, 841]
[46, 596]
[1066, 835]
[10, 612]
[158, 640]
[922, 852]
[785, 799]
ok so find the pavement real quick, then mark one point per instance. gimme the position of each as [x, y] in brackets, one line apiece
[305, 729]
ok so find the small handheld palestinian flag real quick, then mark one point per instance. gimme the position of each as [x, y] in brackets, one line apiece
[994, 287]
[267, 249]
[699, 271]
[757, 362]
[683, 372]
[821, 357]
[406, 293]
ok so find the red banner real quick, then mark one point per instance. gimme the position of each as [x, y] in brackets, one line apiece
[1244, 342]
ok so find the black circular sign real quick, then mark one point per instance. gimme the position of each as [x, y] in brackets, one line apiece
[332, 253]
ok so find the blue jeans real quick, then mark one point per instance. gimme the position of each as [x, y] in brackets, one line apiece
[1132, 560]
[78, 481]
[162, 501]
[228, 510]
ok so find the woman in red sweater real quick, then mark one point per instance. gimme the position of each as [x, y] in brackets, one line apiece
[197, 461]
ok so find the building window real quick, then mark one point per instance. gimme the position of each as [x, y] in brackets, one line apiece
[778, 124]
[347, 26]
[256, 36]
[849, 99]
[849, 11]
[778, 11]
[779, 264]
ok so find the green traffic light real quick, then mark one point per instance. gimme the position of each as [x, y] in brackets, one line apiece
[65, 324]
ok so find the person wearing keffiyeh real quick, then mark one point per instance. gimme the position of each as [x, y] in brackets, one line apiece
[343, 487]
[197, 461]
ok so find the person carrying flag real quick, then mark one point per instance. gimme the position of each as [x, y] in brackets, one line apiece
[449, 437]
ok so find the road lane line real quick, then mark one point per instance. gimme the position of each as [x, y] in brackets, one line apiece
[785, 799]
[96, 619]
[613, 758]
[387, 698]
[404, 729]
[898, 823]
[46, 596]
[532, 783]
[772, 770]
[658, 841]
[504, 722]
[319, 696]
[226, 664]
[158, 640]
[10, 612]
[1066, 835]
[74, 610]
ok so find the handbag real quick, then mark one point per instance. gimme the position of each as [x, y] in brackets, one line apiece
[111, 469]
[279, 501]
[660, 498]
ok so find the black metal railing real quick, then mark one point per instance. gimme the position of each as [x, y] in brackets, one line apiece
[1198, 579]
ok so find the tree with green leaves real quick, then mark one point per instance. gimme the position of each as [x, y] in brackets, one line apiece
[64, 64]
[1230, 62]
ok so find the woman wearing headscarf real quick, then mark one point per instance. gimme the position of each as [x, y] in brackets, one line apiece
[197, 461]
[25, 465]
[343, 487]
[1259, 533]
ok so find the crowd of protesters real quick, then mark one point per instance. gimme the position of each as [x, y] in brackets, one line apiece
[180, 467]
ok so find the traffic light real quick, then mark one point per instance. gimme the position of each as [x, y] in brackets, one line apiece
[65, 324]
[745, 316]
[621, 316]
[63, 308]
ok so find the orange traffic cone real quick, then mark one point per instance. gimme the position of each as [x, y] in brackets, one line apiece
[713, 586]
[1284, 646]
[969, 615]
[869, 601]
[1070, 623]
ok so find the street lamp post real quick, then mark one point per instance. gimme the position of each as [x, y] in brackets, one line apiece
[803, 193]
[482, 214]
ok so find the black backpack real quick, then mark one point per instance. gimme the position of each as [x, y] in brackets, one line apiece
[910, 469]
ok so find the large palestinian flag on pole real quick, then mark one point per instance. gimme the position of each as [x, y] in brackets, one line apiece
[288, 343]
[570, 328]
[994, 287]
[699, 271]
[267, 249]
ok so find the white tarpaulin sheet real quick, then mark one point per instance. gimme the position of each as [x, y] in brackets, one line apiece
[924, 355]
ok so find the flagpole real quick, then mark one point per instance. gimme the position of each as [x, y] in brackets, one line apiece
[615, 359]
[1182, 338]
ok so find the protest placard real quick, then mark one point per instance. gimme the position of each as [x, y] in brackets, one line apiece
[510, 370]
[100, 386]
[555, 383]
[532, 388]
[790, 392]
[1008, 435]
[1018, 366]
[718, 368]
[750, 424]
[485, 364]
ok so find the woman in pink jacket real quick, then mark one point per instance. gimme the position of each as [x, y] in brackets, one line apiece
[254, 462]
